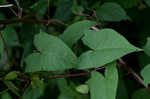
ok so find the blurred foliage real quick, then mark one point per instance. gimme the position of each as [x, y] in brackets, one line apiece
[41, 39]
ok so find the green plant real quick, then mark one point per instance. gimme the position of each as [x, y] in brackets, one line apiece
[71, 49]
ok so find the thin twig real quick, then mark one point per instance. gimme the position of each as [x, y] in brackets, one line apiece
[4, 42]
[41, 22]
[12, 21]
[19, 9]
[26, 85]
[13, 12]
[72, 75]
[135, 75]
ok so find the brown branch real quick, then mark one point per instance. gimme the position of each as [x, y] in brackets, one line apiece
[12, 21]
[40, 22]
[135, 75]
[72, 75]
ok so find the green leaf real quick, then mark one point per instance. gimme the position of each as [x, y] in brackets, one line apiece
[12, 87]
[141, 94]
[1, 46]
[54, 55]
[33, 93]
[40, 7]
[104, 88]
[111, 12]
[75, 31]
[77, 9]
[147, 47]
[83, 89]
[126, 3]
[122, 90]
[64, 10]
[145, 74]
[11, 75]
[147, 2]
[107, 45]
[67, 91]
[6, 95]
[11, 38]
[35, 90]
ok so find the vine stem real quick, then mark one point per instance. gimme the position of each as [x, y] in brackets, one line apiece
[72, 75]
[135, 75]
[4, 42]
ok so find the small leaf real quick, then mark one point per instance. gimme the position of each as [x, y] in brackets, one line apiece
[11, 75]
[54, 55]
[107, 46]
[111, 12]
[67, 92]
[141, 94]
[12, 87]
[145, 74]
[75, 31]
[83, 89]
[104, 88]
[147, 47]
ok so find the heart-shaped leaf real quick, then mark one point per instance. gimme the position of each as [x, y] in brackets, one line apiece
[54, 55]
[107, 45]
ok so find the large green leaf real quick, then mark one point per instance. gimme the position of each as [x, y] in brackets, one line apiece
[54, 55]
[104, 87]
[141, 94]
[107, 46]
[111, 12]
[75, 31]
[147, 47]
[145, 74]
